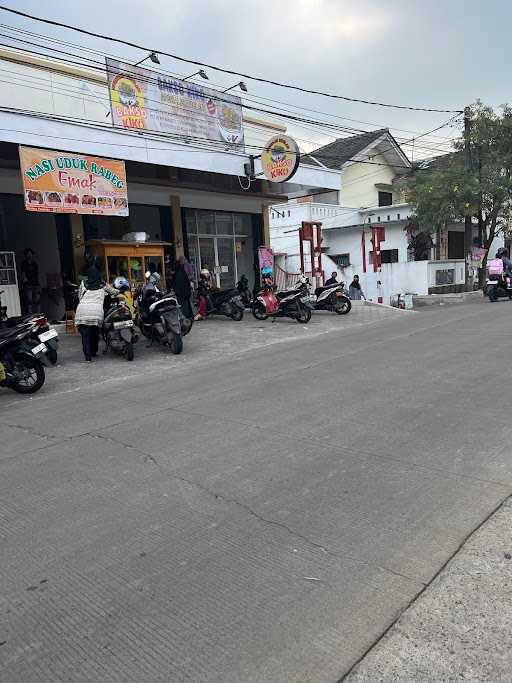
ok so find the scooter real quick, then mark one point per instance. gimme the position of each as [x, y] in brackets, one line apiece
[41, 331]
[225, 302]
[499, 284]
[118, 329]
[289, 304]
[160, 319]
[21, 367]
[332, 298]
[243, 290]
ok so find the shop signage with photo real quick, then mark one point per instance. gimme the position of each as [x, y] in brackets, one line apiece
[66, 182]
[280, 158]
[142, 99]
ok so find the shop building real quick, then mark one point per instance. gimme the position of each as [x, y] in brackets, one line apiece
[193, 197]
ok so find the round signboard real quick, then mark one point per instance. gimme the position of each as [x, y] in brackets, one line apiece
[280, 158]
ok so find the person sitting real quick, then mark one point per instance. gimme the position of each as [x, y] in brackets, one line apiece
[333, 280]
[153, 277]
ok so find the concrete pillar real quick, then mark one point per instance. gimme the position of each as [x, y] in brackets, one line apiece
[77, 240]
[177, 225]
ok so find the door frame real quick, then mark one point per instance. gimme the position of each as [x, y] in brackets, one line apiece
[216, 253]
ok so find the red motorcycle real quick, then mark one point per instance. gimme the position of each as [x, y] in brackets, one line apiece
[291, 304]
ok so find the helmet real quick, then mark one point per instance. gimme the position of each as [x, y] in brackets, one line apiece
[121, 283]
[501, 252]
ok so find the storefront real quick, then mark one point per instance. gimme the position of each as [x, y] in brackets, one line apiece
[224, 241]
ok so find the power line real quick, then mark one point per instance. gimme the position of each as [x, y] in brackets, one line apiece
[231, 72]
[318, 125]
[175, 75]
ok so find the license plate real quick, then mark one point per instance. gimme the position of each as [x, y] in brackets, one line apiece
[123, 323]
[51, 334]
[40, 348]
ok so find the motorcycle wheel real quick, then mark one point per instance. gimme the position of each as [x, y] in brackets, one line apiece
[237, 313]
[493, 294]
[258, 311]
[303, 315]
[33, 376]
[343, 307]
[176, 343]
[129, 351]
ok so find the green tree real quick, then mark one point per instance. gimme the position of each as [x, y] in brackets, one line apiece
[444, 192]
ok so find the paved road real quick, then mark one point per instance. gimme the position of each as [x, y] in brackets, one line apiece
[261, 517]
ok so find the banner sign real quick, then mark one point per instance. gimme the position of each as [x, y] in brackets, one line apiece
[66, 182]
[144, 100]
[280, 158]
[266, 261]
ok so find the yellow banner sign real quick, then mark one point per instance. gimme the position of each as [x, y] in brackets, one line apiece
[66, 182]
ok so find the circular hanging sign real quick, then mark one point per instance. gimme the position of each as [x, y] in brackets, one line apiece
[280, 158]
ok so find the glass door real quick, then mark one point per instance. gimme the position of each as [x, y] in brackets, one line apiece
[226, 262]
[207, 254]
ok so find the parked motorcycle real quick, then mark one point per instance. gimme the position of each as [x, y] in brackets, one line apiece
[289, 304]
[118, 328]
[160, 319]
[332, 298]
[499, 282]
[41, 331]
[21, 368]
[242, 287]
[226, 302]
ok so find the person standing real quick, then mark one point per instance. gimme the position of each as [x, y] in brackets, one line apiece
[333, 280]
[182, 287]
[89, 312]
[355, 290]
[30, 281]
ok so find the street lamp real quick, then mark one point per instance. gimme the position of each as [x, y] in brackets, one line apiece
[201, 73]
[152, 56]
[240, 85]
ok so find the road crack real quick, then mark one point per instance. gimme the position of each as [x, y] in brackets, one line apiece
[148, 457]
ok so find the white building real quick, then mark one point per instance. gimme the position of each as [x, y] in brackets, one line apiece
[370, 196]
[192, 196]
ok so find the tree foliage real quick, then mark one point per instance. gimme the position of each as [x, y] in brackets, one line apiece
[444, 192]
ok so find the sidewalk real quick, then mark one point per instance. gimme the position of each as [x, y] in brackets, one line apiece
[460, 628]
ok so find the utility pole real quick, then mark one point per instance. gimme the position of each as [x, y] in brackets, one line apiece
[468, 222]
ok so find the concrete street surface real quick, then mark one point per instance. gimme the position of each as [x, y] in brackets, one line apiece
[459, 629]
[261, 508]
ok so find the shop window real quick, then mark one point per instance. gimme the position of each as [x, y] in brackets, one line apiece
[385, 198]
[224, 223]
[206, 223]
[243, 224]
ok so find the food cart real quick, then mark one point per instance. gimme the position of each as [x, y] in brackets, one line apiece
[129, 259]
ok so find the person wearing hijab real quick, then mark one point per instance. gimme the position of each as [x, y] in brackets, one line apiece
[355, 291]
[89, 312]
[182, 287]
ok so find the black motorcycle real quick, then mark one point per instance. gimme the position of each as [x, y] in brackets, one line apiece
[242, 287]
[332, 298]
[226, 302]
[21, 368]
[118, 329]
[41, 332]
[160, 319]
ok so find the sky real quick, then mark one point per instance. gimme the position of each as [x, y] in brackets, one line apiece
[430, 53]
